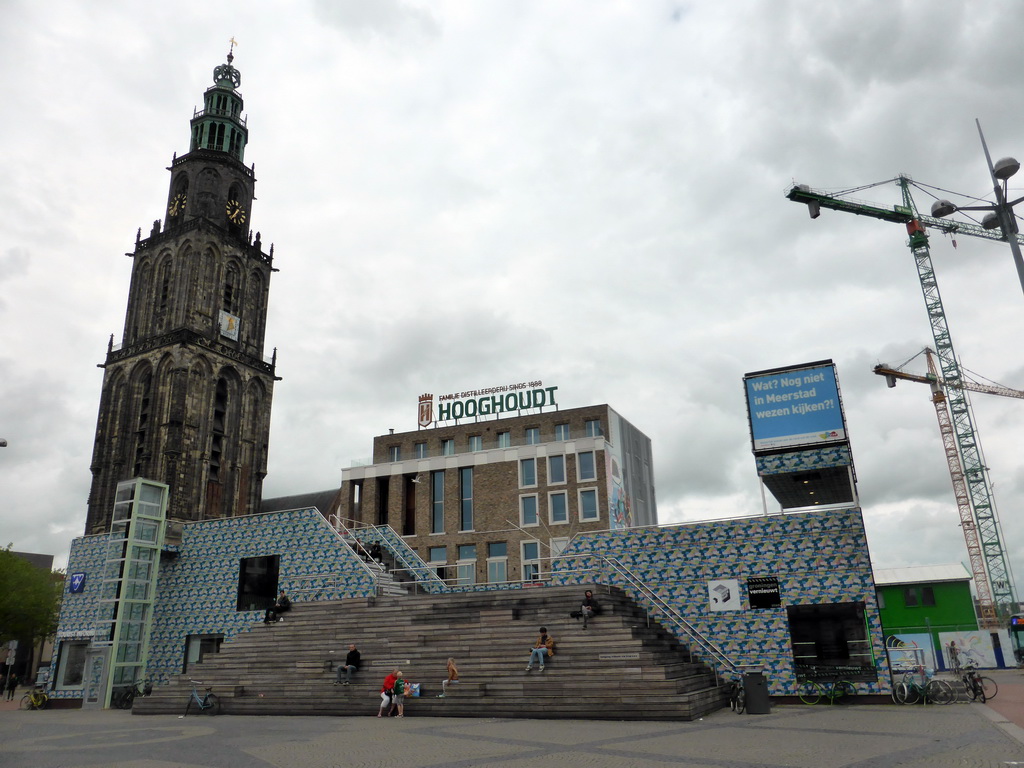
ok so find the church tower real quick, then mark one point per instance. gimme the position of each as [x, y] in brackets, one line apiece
[186, 395]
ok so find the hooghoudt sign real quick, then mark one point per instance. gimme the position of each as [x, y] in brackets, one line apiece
[490, 401]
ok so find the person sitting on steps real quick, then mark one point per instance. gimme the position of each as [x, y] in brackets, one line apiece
[544, 647]
[350, 667]
[282, 605]
[589, 608]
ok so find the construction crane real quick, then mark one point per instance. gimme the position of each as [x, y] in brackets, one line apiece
[991, 559]
[987, 608]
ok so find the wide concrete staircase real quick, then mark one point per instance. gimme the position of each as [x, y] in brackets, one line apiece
[623, 667]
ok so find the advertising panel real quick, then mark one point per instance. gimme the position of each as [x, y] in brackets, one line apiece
[797, 406]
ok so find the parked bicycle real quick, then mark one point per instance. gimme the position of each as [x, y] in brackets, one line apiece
[978, 687]
[737, 696]
[35, 699]
[124, 697]
[812, 691]
[910, 690]
[208, 702]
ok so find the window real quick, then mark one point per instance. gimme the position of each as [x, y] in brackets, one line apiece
[561, 431]
[910, 597]
[556, 469]
[585, 469]
[476, 443]
[438, 558]
[531, 560]
[527, 473]
[558, 545]
[497, 562]
[504, 439]
[71, 667]
[394, 453]
[257, 583]
[533, 435]
[558, 507]
[466, 568]
[880, 597]
[588, 504]
[420, 450]
[927, 597]
[830, 636]
[199, 646]
[528, 510]
[466, 498]
[448, 447]
[592, 428]
[437, 501]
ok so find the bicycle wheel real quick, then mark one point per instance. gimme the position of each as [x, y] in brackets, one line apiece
[42, 701]
[811, 692]
[741, 701]
[971, 686]
[939, 692]
[841, 689]
[211, 704]
[899, 693]
[977, 690]
[989, 687]
[26, 701]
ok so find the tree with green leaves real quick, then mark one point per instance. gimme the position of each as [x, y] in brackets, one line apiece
[29, 599]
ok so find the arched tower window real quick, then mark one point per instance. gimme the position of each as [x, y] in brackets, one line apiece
[143, 423]
[231, 297]
[220, 414]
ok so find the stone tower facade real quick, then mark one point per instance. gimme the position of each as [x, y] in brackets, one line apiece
[187, 394]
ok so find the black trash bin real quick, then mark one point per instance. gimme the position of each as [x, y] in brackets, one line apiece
[755, 687]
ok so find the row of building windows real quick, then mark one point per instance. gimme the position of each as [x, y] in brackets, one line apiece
[557, 503]
[913, 597]
[531, 436]
[464, 571]
[558, 508]
[586, 469]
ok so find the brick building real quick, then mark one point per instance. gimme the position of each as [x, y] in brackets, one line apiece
[489, 501]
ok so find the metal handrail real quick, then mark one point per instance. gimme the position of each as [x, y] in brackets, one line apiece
[714, 653]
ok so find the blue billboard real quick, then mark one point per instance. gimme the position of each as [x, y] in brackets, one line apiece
[797, 406]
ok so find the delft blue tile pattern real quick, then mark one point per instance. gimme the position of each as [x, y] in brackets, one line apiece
[201, 584]
[801, 461]
[198, 589]
[818, 557]
[79, 612]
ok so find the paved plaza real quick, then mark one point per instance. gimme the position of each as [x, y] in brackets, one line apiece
[866, 736]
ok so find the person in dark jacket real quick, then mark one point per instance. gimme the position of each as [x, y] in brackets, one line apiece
[282, 605]
[589, 607]
[350, 667]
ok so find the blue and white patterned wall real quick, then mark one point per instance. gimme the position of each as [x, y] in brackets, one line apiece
[197, 590]
[817, 557]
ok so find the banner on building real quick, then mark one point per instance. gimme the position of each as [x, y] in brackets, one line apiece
[794, 406]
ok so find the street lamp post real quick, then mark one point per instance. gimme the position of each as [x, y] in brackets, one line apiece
[1001, 212]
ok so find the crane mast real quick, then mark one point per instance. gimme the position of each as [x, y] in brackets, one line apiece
[983, 518]
[987, 608]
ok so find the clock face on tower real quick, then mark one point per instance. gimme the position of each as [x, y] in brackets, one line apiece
[235, 212]
[177, 205]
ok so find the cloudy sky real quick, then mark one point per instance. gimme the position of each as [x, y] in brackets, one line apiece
[465, 194]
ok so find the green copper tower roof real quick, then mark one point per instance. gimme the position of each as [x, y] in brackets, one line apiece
[219, 125]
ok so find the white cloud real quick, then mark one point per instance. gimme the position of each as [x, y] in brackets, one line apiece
[461, 194]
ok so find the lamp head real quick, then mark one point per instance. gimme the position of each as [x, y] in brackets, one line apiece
[1005, 168]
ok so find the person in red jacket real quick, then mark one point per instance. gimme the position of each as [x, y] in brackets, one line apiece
[387, 692]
